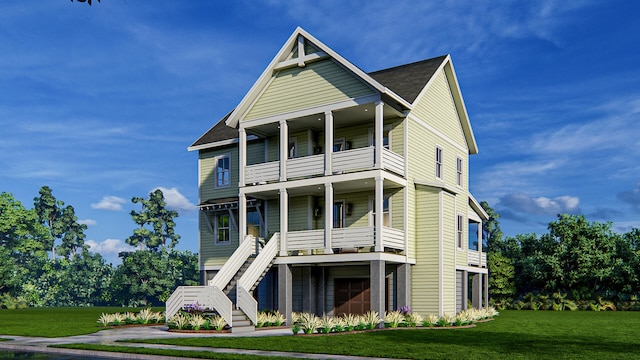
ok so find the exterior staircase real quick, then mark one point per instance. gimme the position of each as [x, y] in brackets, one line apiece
[229, 292]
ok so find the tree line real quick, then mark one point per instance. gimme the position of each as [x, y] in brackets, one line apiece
[44, 260]
[580, 260]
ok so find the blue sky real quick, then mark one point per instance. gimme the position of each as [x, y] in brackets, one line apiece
[100, 103]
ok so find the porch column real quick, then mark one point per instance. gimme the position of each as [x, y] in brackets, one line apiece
[285, 292]
[379, 134]
[242, 215]
[480, 264]
[284, 221]
[328, 217]
[378, 205]
[242, 152]
[377, 279]
[465, 290]
[476, 291]
[328, 142]
[486, 289]
[284, 149]
[403, 285]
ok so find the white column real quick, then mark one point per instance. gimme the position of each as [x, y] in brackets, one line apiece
[480, 244]
[328, 142]
[328, 217]
[284, 221]
[242, 152]
[284, 149]
[242, 215]
[378, 204]
[379, 133]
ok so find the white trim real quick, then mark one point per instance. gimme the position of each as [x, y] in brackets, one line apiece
[309, 58]
[343, 215]
[460, 230]
[216, 242]
[439, 166]
[436, 132]
[339, 105]
[460, 174]
[210, 267]
[220, 143]
[372, 210]
[438, 185]
[475, 205]
[441, 255]
[343, 258]
[473, 269]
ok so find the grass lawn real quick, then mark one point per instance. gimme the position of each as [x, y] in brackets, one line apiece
[513, 335]
[53, 322]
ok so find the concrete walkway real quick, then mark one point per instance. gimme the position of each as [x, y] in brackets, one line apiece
[110, 336]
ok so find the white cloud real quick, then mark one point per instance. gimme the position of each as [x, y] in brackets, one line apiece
[175, 200]
[109, 247]
[111, 203]
[523, 203]
[88, 222]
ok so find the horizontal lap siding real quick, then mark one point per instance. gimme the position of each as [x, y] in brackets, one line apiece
[298, 213]
[425, 273]
[255, 152]
[210, 253]
[273, 216]
[448, 256]
[318, 83]
[207, 179]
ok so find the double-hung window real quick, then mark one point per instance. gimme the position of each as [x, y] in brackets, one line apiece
[222, 229]
[386, 217]
[223, 171]
[338, 214]
[459, 226]
[459, 171]
[439, 161]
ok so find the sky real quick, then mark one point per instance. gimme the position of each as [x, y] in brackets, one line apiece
[101, 102]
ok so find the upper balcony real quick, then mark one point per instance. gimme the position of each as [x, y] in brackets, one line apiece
[314, 165]
[334, 142]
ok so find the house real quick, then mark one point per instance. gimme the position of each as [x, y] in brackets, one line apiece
[331, 190]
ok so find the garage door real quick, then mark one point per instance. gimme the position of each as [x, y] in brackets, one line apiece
[352, 296]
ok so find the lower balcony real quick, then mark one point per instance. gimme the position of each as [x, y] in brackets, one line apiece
[352, 239]
[477, 258]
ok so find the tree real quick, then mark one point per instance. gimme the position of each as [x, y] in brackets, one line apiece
[156, 223]
[61, 223]
[501, 278]
[491, 228]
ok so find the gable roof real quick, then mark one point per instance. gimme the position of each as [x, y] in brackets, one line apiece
[408, 80]
[404, 83]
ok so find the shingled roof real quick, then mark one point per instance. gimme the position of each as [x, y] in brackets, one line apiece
[407, 81]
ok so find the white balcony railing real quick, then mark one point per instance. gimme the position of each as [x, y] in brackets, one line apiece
[261, 173]
[393, 238]
[352, 160]
[305, 240]
[352, 237]
[392, 161]
[305, 166]
[476, 258]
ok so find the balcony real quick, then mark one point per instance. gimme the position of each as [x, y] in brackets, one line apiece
[476, 258]
[360, 159]
[344, 238]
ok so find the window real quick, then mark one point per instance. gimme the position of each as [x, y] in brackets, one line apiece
[459, 171]
[222, 230]
[338, 214]
[459, 224]
[293, 148]
[386, 217]
[338, 145]
[386, 143]
[223, 171]
[439, 173]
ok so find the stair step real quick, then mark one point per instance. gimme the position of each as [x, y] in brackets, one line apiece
[242, 329]
[241, 323]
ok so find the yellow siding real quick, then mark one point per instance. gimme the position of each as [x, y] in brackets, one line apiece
[438, 110]
[426, 273]
[318, 83]
[206, 183]
[210, 253]
[448, 254]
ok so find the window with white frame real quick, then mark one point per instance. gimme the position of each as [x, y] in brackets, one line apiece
[439, 161]
[386, 137]
[222, 230]
[223, 171]
[293, 148]
[459, 227]
[338, 214]
[386, 214]
[459, 171]
[339, 145]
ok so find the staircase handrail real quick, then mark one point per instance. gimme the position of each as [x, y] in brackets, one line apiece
[222, 304]
[233, 264]
[246, 302]
[186, 295]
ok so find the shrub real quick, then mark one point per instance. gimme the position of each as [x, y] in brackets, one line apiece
[309, 323]
[413, 319]
[106, 319]
[351, 321]
[218, 322]
[295, 329]
[394, 318]
[179, 321]
[326, 324]
[371, 319]
[430, 320]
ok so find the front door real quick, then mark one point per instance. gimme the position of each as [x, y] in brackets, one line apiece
[352, 296]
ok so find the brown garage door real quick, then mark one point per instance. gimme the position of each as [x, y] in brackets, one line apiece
[352, 296]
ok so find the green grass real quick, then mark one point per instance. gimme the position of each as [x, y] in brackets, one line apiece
[53, 322]
[513, 335]
[164, 352]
